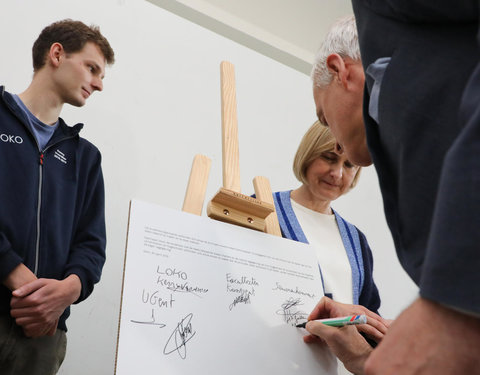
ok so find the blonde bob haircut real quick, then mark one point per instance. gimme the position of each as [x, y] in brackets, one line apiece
[317, 140]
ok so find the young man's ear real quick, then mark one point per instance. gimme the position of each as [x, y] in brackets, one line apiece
[55, 54]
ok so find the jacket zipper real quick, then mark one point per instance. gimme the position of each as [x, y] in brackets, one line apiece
[39, 204]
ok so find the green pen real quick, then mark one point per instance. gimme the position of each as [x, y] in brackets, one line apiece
[340, 321]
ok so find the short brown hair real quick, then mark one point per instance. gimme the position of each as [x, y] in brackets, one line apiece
[317, 140]
[72, 35]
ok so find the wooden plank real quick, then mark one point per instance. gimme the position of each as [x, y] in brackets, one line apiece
[197, 185]
[230, 154]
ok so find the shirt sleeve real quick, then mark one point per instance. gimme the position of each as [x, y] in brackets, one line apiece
[87, 253]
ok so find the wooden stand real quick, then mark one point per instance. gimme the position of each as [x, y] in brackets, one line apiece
[229, 204]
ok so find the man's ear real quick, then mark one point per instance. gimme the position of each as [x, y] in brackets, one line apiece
[346, 71]
[55, 54]
[336, 67]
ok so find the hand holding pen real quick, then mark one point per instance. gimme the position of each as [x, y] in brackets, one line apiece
[345, 342]
[375, 328]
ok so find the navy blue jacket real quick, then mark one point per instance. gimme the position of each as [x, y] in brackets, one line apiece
[425, 156]
[51, 204]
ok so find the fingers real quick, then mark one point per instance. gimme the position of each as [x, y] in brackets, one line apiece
[24, 302]
[26, 319]
[322, 309]
[312, 339]
[321, 330]
[375, 328]
[34, 293]
[28, 288]
[36, 330]
[332, 336]
[371, 332]
[37, 326]
[376, 320]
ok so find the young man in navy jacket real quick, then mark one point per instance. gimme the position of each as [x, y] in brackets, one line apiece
[52, 226]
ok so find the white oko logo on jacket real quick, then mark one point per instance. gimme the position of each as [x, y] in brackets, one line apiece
[11, 138]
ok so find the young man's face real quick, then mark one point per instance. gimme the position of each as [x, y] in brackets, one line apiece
[79, 74]
[341, 110]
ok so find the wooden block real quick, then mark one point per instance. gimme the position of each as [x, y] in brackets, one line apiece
[263, 191]
[236, 208]
[197, 185]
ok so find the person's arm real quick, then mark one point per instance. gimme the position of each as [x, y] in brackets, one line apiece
[346, 343]
[20, 276]
[87, 253]
[428, 338]
[9, 262]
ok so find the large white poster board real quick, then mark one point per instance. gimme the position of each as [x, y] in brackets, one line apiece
[201, 296]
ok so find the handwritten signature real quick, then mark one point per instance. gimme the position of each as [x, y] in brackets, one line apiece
[242, 298]
[290, 311]
[182, 334]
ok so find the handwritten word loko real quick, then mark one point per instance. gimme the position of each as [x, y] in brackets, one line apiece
[154, 299]
[173, 272]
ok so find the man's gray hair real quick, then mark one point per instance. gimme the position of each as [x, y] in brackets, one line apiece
[342, 39]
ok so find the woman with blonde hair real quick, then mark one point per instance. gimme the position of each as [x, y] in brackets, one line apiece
[305, 215]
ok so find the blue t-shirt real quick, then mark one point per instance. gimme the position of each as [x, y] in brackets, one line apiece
[40, 130]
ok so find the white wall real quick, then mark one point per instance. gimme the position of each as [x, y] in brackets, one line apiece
[161, 106]
[285, 30]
